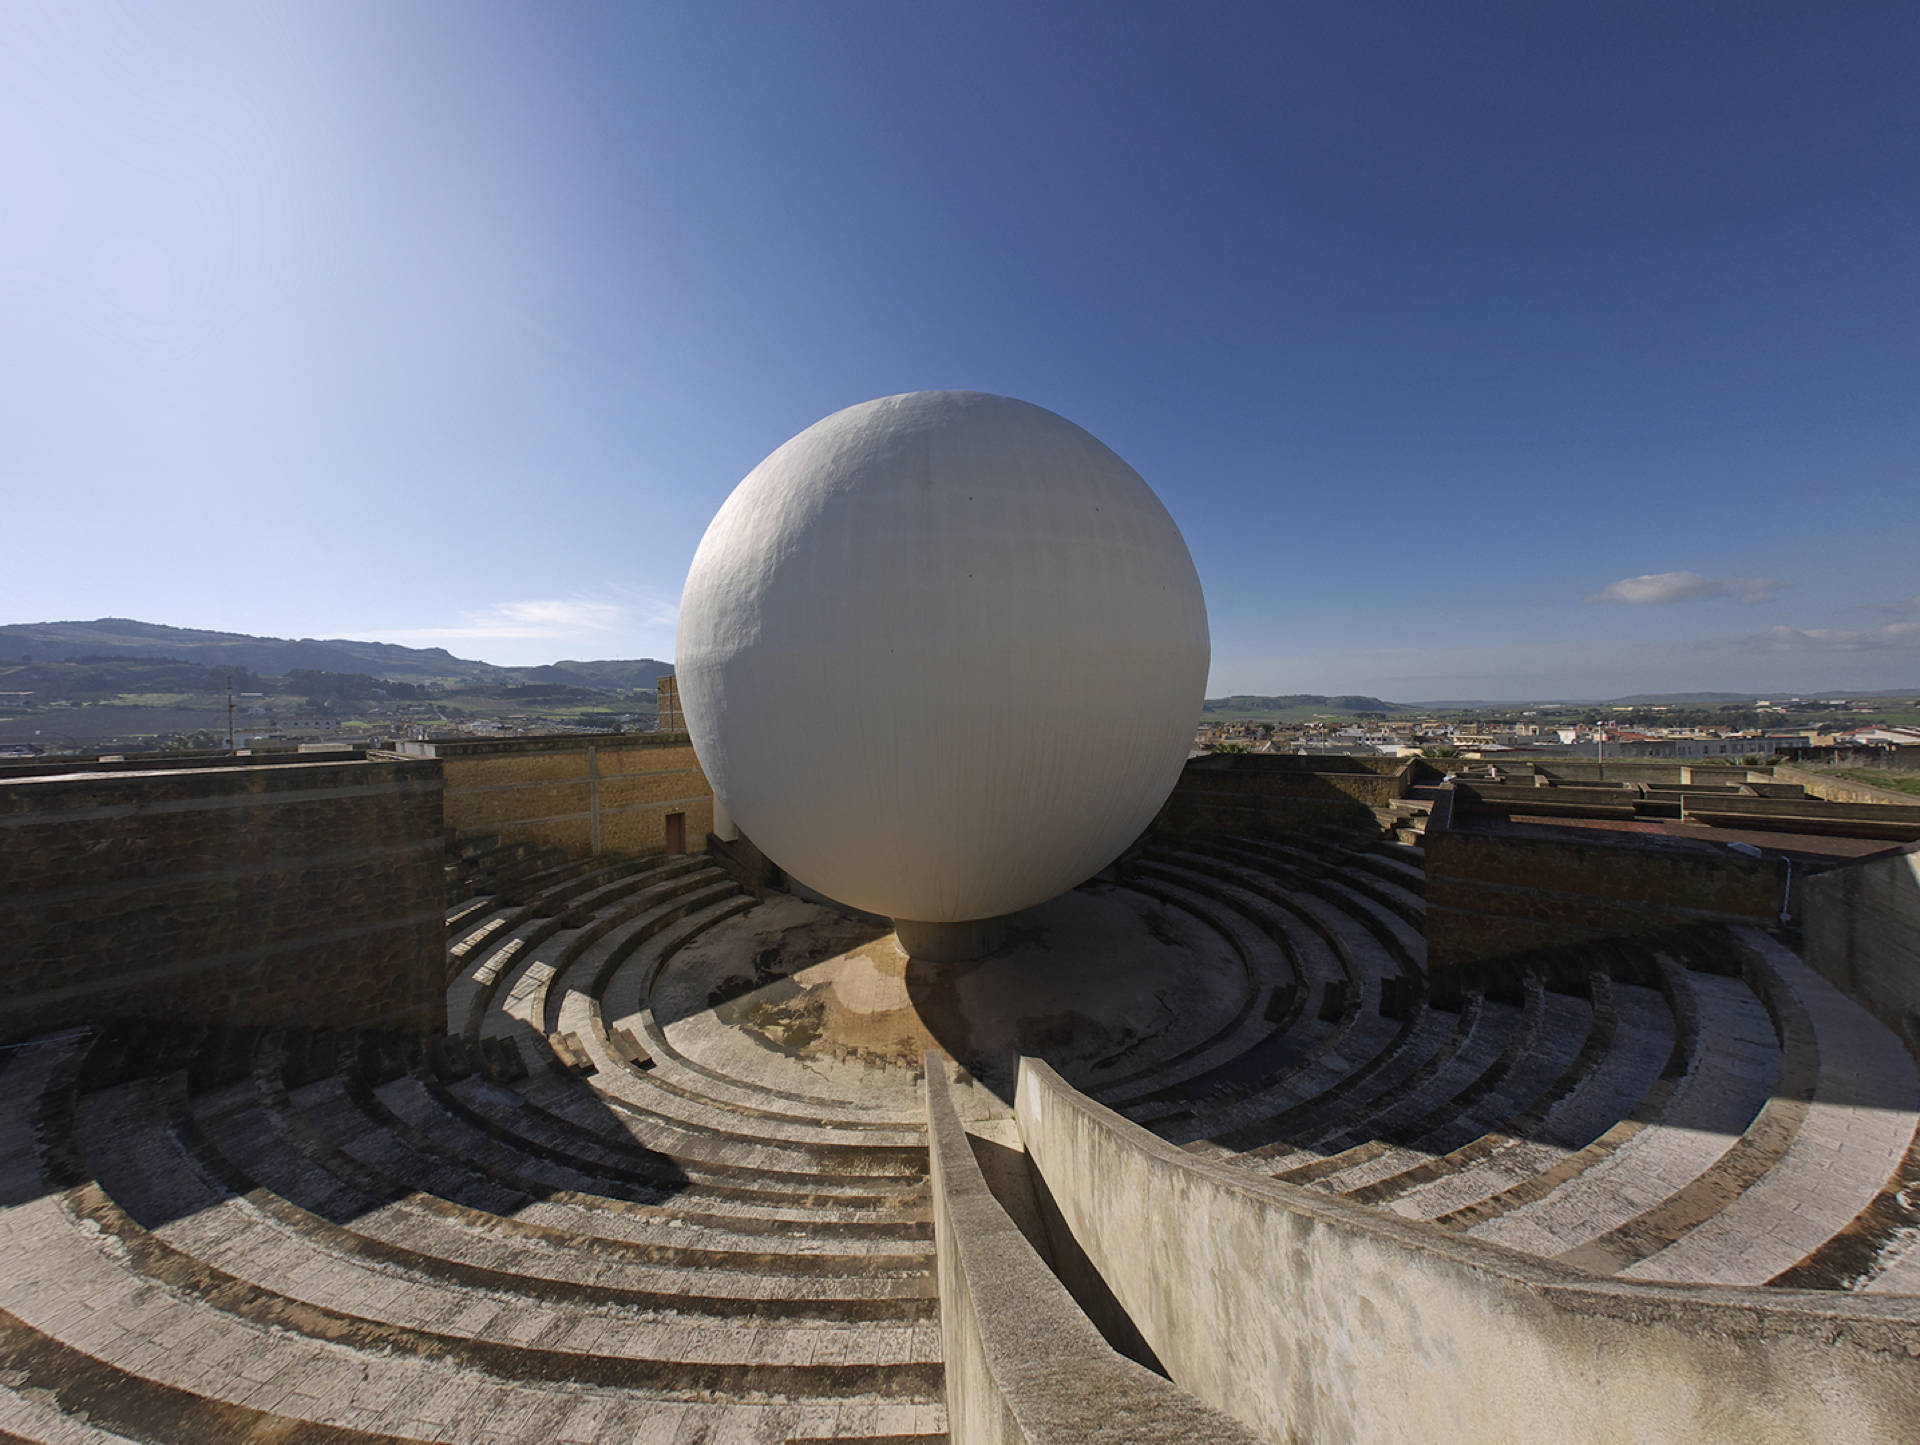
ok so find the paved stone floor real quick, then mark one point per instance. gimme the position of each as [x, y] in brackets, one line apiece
[798, 997]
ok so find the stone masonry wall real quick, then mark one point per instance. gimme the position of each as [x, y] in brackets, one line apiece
[1491, 896]
[281, 894]
[583, 795]
[1862, 929]
[1251, 792]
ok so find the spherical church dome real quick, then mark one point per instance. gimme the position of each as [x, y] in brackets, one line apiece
[941, 655]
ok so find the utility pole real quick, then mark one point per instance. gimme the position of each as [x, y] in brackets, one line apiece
[230, 747]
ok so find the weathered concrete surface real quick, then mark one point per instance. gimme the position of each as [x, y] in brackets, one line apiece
[1314, 1319]
[1862, 930]
[1255, 792]
[306, 893]
[799, 998]
[1493, 895]
[1595, 800]
[583, 794]
[950, 942]
[1842, 790]
[1900, 822]
[1023, 1363]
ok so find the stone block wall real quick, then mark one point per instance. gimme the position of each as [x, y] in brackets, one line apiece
[1862, 930]
[668, 717]
[1612, 771]
[1652, 773]
[1492, 896]
[304, 893]
[1256, 792]
[1898, 822]
[582, 795]
[171, 762]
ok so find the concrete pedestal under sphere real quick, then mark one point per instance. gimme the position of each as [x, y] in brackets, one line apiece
[941, 655]
[949, 942]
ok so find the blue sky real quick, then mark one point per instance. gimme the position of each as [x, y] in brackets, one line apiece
[1478, 350]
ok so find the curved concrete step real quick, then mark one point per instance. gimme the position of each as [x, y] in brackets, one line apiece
[540, 939]
[1644, 1160]
[1622, 1063]
[406, 1211]
[1360, 1134]
[1371, 1057]
[1858, 1105]
[1572, 1034]
[1263, 959]
[769, 1285]
[519, 1001]
[581, 1120]
[185, 1230]
[371, 1341]
[69, 1295]
[344, 1119]
[430, 1120]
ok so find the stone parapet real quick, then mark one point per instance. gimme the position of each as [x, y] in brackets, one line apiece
[305, 893]
[1260, 792]
[1024, 1365]
[1313, 1318]
[1861, 923]
[583, 794]
[1491, 896]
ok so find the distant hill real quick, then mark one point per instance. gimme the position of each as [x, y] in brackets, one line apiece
[1662, 699]
[122, 638]
[1696, 698]
[1680, 699]
[1250, 705]
[640, 672]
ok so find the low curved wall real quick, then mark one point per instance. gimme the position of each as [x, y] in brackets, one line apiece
[1314, 1319]
[1862, 930]
[1846, 790]
[1024, 1365]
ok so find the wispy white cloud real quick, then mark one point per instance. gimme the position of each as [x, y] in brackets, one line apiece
[1842, 639]
[544, 620]
[646, 607]
[1906, 607]
[614, 620]
[1662, 587]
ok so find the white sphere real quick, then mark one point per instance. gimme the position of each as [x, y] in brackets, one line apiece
[942, 655]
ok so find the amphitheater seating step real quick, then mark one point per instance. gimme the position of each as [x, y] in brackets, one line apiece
[552, 1224]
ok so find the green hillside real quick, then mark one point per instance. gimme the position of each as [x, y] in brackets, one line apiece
[1294, 707]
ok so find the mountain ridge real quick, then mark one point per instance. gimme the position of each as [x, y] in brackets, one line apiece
[127, 639]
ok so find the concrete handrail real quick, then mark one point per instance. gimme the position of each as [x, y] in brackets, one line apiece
[1314, 1318]
[1024, 1365]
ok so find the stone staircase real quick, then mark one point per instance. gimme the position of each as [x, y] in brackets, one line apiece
[1700, 1107]
[353, 1236]
[552, 1224]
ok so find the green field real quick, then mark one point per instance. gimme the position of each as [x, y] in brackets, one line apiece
[164, 699]
[1293, 715]
[482, 705]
